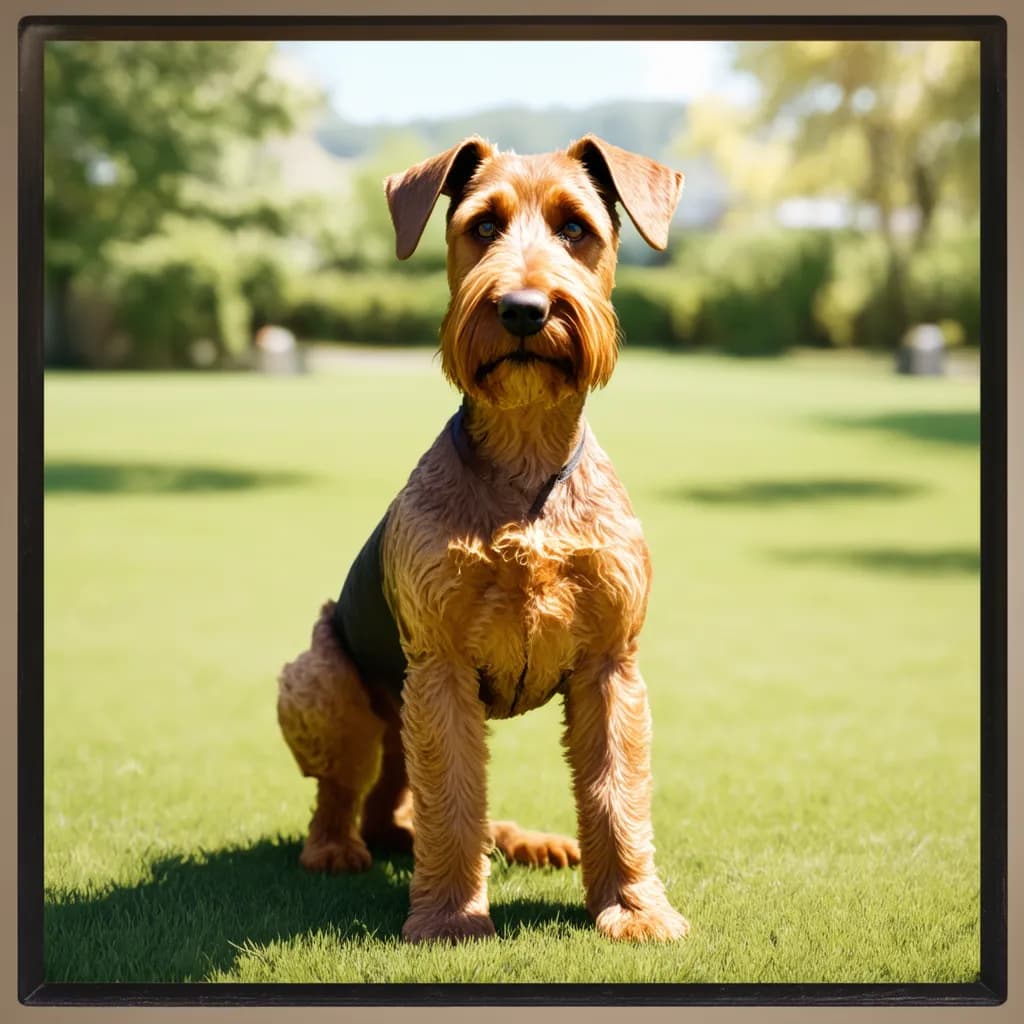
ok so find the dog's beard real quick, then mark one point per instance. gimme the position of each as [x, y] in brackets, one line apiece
[575, 351]
[523, 356]
[521, 379]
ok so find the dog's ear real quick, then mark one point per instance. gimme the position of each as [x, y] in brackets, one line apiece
[413, 193]
[648, 191]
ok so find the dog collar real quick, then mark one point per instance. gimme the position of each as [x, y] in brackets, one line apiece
[460, 439]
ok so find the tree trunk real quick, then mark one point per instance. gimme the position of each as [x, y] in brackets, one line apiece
[925, 194]
[894, 294]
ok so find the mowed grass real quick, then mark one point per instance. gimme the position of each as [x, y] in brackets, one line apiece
[811, 653]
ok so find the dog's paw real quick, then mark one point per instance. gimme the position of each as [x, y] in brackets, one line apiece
[540, 849]
[536, 849]
[446, 926]
[658, 923]
[336, 856]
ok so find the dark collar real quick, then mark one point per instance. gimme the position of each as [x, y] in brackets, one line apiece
[463, 445]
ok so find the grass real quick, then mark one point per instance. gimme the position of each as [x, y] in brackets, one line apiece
[811, 654]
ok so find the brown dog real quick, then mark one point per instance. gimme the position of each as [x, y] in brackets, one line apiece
[510, 567]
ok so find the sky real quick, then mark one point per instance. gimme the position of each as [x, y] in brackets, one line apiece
[399, 81]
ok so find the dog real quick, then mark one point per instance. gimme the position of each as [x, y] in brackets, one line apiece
[509, 569]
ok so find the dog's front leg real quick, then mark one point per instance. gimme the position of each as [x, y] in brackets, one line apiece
[608, 738]
[445, 749]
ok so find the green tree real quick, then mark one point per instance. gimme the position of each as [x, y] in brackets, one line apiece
[140, 131]
[893, 125]
[361, 236]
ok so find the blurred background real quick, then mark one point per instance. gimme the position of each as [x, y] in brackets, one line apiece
[198, 191]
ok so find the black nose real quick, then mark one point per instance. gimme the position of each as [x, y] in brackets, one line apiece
[524, 312]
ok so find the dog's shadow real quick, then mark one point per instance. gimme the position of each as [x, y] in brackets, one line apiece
[196, 916]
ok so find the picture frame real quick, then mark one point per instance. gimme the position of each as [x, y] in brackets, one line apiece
[991, 989]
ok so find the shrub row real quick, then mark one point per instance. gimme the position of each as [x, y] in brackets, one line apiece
[191, 293]
[744, 294]
[383, 309]
[759, 295]
[747, 296]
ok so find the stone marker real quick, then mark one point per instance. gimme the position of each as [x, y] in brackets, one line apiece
[922, 351]
[276, 351]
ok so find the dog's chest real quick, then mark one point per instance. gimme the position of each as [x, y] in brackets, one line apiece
[522, 602]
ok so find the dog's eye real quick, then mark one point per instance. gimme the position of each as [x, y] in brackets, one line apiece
[486, 229]
[572, 231]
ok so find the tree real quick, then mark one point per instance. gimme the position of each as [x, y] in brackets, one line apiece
[361, 236]
[891, 125]
[139, 131]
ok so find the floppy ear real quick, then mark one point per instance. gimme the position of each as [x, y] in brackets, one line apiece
[648, 191]
[413, 193]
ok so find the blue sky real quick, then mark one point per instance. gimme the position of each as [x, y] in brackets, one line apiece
[397, 81]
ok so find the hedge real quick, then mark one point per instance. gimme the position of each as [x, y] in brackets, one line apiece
[746, 294]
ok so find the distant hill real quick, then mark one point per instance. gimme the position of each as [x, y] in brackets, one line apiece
[643, 126]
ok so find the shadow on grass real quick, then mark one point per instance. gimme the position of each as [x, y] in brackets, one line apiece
[905, 561]
[780, 492]
[76, 477]
[196, 916]
[940, 426]
[519, 915]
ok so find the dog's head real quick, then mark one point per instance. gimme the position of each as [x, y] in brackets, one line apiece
[532, 243]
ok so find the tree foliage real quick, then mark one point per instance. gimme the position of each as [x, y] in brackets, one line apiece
[143, 135]
[892, 128]
[889, 123]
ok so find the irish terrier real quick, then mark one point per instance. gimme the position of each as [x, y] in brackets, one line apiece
[508, 569]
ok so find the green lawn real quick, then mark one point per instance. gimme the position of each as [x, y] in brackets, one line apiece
[811, 654]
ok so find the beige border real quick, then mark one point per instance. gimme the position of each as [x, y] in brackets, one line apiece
[1011, 10]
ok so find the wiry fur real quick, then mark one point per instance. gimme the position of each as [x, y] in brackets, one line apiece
[497, 610]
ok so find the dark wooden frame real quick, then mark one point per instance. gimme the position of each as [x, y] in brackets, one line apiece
[990, 32]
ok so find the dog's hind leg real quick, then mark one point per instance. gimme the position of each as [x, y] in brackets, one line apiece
[325, 714]
[537, 849]
[387, 813]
